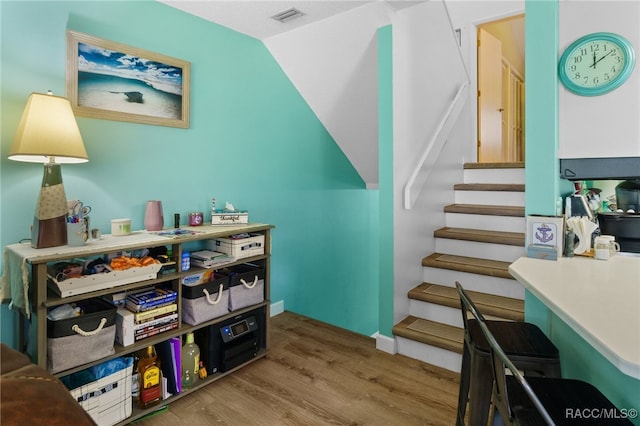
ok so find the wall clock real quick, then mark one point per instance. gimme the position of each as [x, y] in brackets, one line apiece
[596, 64]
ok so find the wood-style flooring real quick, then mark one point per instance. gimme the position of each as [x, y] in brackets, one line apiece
[317, 374]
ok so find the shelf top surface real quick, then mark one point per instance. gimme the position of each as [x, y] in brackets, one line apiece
[135, 240]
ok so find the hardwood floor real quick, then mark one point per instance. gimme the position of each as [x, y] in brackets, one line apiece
[317, 374]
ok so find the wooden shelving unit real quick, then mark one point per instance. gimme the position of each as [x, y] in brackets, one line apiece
[43, 298]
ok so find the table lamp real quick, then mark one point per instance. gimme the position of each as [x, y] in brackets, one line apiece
[48, 133]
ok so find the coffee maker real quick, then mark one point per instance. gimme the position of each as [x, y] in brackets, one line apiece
[624, 223]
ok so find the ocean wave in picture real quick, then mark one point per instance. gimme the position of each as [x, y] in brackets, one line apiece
[124, 83]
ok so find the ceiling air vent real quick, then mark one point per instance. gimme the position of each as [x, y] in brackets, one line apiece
[287, 15]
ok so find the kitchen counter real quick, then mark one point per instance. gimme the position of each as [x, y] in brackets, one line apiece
[599, 299]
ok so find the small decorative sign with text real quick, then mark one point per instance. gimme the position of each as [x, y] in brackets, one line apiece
[545, 236]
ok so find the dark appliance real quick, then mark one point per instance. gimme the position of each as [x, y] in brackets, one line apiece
[232, 342]
[628, 195]
[623, 224]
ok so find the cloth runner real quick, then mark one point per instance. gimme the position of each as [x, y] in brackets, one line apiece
[15, 282]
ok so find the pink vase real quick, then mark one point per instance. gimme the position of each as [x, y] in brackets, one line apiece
[153, 218]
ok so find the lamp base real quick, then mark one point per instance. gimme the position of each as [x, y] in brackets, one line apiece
[49, 232]
[50, 220]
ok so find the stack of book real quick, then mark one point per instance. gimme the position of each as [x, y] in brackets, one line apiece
[149, 312]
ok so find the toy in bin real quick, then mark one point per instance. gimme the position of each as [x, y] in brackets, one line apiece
[229, 215]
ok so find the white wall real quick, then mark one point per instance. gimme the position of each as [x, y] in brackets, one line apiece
[606, 125]
[427, 73]
[510, 32]
[333, 64]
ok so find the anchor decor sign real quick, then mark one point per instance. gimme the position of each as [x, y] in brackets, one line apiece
[113, 81]
[546, 231]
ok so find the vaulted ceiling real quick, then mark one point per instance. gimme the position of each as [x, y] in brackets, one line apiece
[254, 17]
[329, 53]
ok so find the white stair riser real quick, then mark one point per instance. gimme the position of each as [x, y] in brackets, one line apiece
[475, 282]
[494, 176]
[429, 354]
[485, 222]
[442, 314]
[437, 313]
[489, 251]
[491, 198]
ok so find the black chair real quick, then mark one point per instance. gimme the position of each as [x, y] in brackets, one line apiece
[527, 346]
[541, 400]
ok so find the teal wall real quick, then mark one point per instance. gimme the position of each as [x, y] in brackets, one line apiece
[253, 141]
[385, 136]
[542, 174]
[543, 183]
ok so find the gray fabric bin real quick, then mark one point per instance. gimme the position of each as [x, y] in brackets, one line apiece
[75, 341]
[204, 302]
[246, 286]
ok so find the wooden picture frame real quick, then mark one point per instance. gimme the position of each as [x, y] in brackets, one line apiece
[113, 81]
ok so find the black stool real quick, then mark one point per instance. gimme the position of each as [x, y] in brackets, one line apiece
[526, 345]
[541, 400]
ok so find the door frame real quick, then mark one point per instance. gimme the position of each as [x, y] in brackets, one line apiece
[469, 42]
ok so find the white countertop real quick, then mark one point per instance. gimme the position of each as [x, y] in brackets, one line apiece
[599, 299]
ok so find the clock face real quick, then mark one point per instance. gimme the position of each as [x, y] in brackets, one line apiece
[596, 64]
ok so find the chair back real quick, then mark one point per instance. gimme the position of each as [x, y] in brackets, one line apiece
[500, 363]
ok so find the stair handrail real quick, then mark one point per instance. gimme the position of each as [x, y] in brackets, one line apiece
[446, 123]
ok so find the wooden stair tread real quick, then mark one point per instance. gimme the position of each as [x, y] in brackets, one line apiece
[493, 268]
[510, 165]
[431, 333]
[506, 187]
[489, 304]
[482, 209]
[481, 235]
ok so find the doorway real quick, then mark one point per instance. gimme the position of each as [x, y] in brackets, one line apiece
[501, 90]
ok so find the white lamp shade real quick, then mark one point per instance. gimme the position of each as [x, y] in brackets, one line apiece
[48, 131]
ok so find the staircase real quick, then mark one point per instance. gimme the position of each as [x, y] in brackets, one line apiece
[484, 233]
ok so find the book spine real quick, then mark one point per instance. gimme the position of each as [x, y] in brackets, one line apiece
[150, 328]
[160, 320]
[176, 344]
[152, 313]
[145, 306]
[151, 295]
[155, 331]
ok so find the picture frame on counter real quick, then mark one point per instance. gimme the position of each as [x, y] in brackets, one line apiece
[113, 81]
[545, 236]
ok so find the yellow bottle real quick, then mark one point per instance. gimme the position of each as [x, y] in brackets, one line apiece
[149, 379]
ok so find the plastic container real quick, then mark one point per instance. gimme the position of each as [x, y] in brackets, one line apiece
[602, 248]
[186, 261]
[120, 227]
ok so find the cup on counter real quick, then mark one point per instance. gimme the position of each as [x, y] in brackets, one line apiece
[95, 234]
[120, 227]
[76, 234]
[614, 246]
[605, 247]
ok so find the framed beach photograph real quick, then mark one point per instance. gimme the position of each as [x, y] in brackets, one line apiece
[113, 81]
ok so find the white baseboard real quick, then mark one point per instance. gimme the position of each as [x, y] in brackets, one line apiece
[277, 308]
[386, 344]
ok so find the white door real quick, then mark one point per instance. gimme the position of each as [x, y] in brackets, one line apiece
[490, 105]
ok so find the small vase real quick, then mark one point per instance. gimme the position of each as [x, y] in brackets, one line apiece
[153, 218]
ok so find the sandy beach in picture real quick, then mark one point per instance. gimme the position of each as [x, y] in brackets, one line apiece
[119, 82]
